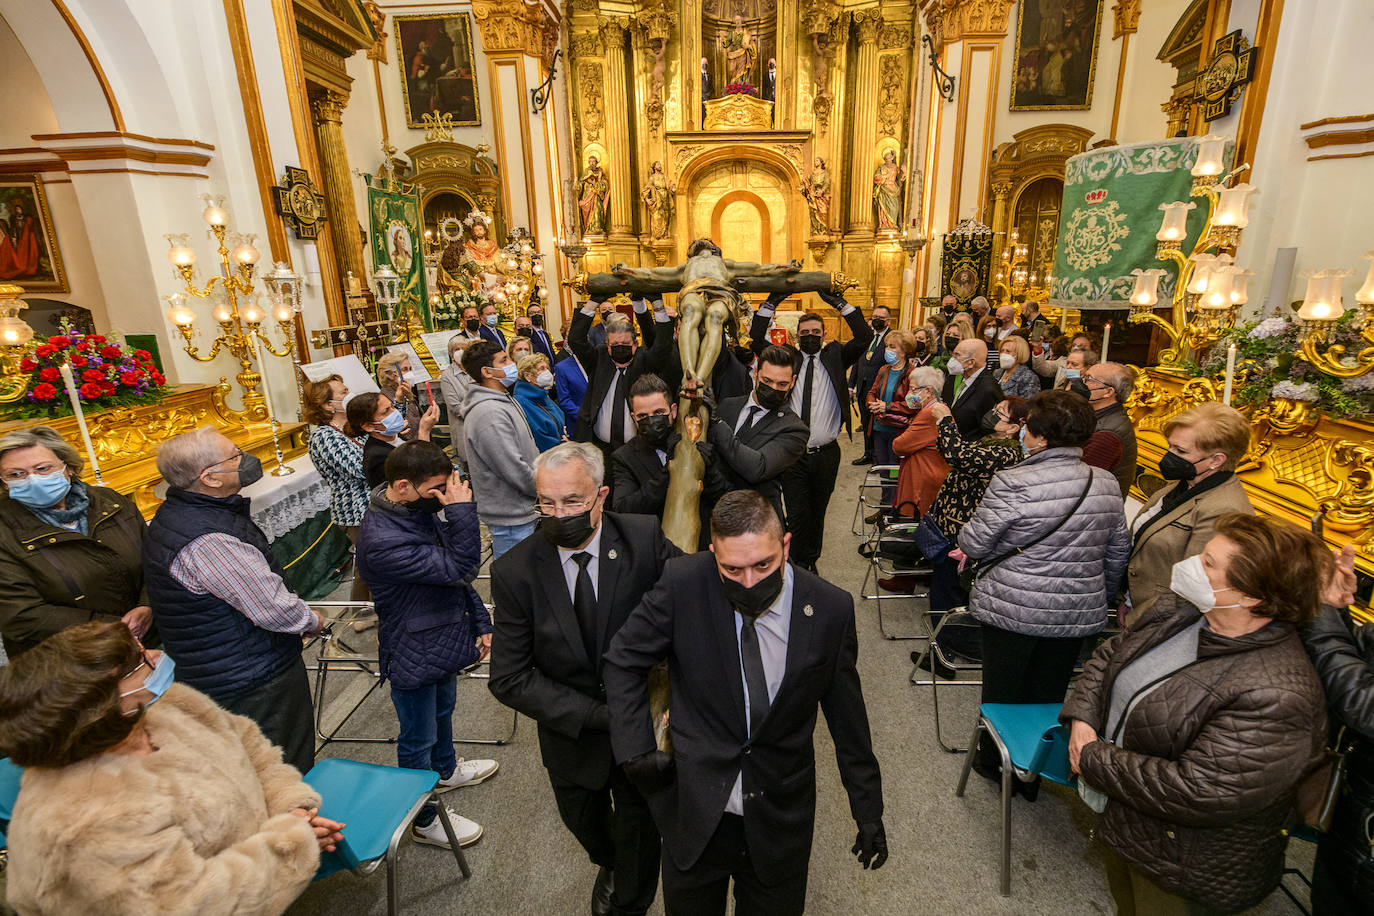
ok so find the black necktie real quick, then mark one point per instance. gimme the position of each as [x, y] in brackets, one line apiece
[751, 413]
[807, 379]
[584, 602]
[618, 410]
[754, 678]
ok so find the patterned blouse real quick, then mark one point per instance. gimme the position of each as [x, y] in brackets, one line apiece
[339, 460]
[971, 466]
[1022, 382]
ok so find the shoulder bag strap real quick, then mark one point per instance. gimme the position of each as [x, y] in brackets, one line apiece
[984, 568]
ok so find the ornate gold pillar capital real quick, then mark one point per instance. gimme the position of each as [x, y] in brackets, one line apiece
[974, 18]
[612, 32]
[868, 25]
[328, 105]
[1125, 17]
[1001, 190]
[514, 28]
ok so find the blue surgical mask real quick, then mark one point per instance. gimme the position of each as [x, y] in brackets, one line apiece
[512, 374]
[1072, 374]
[890, 357]
[394, 423]
[41, 491]
[493, 320]
[156, 683]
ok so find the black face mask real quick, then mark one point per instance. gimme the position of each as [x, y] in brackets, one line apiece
[537, 320]
[523, 332]
[426, 504]
[622, 353]
[770, 398]
[753, 600]
[569, 531]
[921, 348]
[1080, 388]
[1175, 467]
[878, 323]
[655, 429]
[472, 324]
[810, 344]
[951, 343]
[250, 470]
[989, 422]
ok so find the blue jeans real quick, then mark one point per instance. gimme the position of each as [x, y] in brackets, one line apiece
[504, 537]
[426, 741]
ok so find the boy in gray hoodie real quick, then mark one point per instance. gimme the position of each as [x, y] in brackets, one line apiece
[500, 447]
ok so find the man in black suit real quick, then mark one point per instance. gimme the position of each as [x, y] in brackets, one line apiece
[862, 376]
[490, 331]
[639, 468]
[538, 336]
[821, 399]
[604, 418]
[758, 437]
[971, 390]
[754, 645]
[561, 595]
[770, 81]
[708, 88]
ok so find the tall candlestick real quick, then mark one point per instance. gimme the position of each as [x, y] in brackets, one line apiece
[70, 384]
[1230, 374]
[1106, 339]
[282, 469]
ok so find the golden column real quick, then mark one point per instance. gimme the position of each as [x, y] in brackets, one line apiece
[1001, 191]
[864, 112]
[337, 182]
[618, 130]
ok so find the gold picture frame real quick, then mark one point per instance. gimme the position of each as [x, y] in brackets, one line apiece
[29, 255]
[438, 68]
[1046, 74]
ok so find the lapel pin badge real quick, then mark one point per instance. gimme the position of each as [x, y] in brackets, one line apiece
[610, 555]
[808, 610]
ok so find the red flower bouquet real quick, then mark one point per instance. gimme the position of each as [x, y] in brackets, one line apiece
[108, 373]
[741, 88]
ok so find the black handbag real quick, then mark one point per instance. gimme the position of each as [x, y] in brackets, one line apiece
[975, 569]
[1320, 790]
[933, 544]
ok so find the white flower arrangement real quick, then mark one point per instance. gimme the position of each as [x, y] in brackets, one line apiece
[1305, 391]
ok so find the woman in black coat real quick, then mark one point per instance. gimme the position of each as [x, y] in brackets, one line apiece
[1343, 879]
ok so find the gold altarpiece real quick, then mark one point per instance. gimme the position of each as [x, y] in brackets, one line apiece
[734, 166]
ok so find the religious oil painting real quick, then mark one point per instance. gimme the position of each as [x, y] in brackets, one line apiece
[437, 73]
[28, 242]
[1056, 54]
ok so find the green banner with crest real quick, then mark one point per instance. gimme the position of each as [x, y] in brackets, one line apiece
[393, 209]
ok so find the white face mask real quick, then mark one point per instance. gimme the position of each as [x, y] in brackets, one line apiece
[1189, 581]
[544, 379]
[1006, 360]
[955, 367]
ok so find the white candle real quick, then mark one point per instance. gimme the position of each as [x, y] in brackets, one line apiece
[266, 389]
[70, 384]
[1106, 339]
[1230, 374]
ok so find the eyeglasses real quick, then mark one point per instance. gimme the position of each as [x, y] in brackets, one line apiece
[573, 506]
[18, 474]
[237, 453]
[143, 663]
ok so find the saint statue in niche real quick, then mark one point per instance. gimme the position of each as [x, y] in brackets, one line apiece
[593, 197]
[481, 259]
[816, 190]
[739, 52]
[658, 197]
[887, 191]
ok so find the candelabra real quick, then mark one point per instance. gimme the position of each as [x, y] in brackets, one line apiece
[1210, 289]
[523, 267]
[1015, 277]
[240, 324]
[15, 335]
[911, 242]
[1322, 307]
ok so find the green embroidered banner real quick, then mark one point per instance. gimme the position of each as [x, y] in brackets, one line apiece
[1111, 213]
[393, 209]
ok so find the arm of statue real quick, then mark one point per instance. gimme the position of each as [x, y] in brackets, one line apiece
[751, 269]
[666, 274]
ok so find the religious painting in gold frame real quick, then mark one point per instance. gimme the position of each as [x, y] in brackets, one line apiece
[438, 74]
[1056, 54]
[29, 255]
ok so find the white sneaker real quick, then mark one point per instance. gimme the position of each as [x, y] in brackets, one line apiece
[467, 832]
[468, 773]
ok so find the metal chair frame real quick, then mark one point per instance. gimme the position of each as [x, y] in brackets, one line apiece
[881, 567]
[863, 505]
[935, 682]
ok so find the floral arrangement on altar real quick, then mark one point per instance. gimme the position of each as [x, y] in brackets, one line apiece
[447, 311]
[1269, 364]
[106, 372]
[741, 88]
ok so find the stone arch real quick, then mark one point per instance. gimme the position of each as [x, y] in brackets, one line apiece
[786, 228]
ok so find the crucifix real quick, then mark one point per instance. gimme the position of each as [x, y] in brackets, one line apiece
[364, 334]
[710, 301]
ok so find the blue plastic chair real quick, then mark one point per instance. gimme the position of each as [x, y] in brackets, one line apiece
[1032, 743]
[9, 792]
[377, 805]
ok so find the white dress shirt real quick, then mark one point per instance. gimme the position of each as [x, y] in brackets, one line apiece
[744, 414]
[772, 627]
[570, 567]
[825, 407]
[602, 427]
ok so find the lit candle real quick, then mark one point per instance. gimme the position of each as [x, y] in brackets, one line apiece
[70, 384]
[1230, 374]
[262, 373]
[1106, 339]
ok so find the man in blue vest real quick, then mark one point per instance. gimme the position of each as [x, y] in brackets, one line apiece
[219, 597]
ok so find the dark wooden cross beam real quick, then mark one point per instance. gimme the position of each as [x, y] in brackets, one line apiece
[363, 335]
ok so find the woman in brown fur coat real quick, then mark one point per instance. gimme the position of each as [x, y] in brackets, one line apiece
[127, 806]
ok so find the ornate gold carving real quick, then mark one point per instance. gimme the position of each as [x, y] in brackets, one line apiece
[738, 112]
[895, 36]
[983, 18]
[612, 32]
[656, 26]
[515, 28]
[377, 17]
[593, 116]
[438, 127]
[1125, 17]
[892, 101]
[1353, 506]
[1001, 190]
[685, 155]
[586, 44]
[868, 23]
[795, 154]
[328, 106]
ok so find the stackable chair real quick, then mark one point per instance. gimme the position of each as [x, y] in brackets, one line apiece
[870, 497]
[376, 804]
[9, 792]
[884, 562]
[1031, 743]
[957, 619]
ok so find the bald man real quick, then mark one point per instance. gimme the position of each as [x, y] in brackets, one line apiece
[971, 389]
[1109, 387]
[1006, 322]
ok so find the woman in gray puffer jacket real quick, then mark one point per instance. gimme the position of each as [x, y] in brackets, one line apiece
[1036, 606]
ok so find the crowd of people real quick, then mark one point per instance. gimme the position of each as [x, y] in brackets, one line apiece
[1201, 647]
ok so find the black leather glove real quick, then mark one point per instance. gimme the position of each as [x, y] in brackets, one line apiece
[708, 400]
[670, 444]
[870, 845]
[834, 300]
[708, 451]
[775, 299]
[651, 772]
